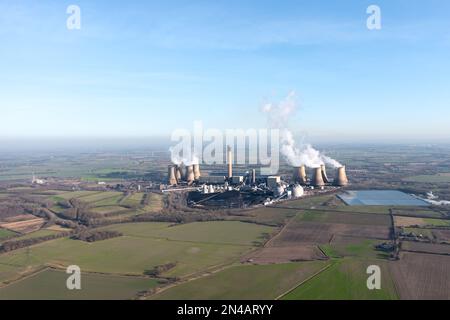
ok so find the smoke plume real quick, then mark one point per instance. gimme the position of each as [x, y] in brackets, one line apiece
[278, 115]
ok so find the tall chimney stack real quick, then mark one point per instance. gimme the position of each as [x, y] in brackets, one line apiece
[300, 175]
[341, 177]
[324, 174]
[253, 176]
[317, 180]
[172, 179]
[230, 162]
[197, 173]
[190, 174]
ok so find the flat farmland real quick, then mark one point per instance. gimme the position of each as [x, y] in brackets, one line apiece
[343, 246]
[146, 246]
[134, 199]
[75, 194]
[219, 232]
[343, 217]
[4, 233]
[102, 198]
[269, 255]
[249, 282]
[25, 226]
[422, 276]
[51, 285]
[270, 215]
[420, 222]
[346, 280]
[105, 210]
[421, 247]
[323, 233]
[441, 235]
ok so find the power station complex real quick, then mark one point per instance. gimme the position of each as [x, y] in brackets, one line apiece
[249, 189]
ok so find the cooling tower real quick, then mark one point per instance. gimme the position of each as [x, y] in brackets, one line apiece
[178, 173]
[197, 173]
[230, 162]
[172, 178]
[190, 174]
[324, 174]
[300, 175]
[341, 177]
[317, 180]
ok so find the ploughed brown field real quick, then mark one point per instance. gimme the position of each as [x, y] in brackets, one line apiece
[422, 276]
[323, 233]
[421, 247]
[441, 235]
[25, 226]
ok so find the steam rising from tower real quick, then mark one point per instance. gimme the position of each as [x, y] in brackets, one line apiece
[279, 115]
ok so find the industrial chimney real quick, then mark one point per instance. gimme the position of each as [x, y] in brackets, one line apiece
[230, 162]
[190, 174]
[172, 179]
[324, 174]
[317, 180]
[253, 176]
[300, 174]
[197, 173]
[341, 177]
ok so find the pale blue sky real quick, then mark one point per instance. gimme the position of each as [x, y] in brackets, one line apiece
[139, 69]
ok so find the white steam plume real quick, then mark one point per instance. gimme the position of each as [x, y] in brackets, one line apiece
[187, 161]
[278, 117]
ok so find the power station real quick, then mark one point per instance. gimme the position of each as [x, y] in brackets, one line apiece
[248, 189]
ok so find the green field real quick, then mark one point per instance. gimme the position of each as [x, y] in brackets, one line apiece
[51, 285]
[4, 233]
[361, 248]
[133, 200]
[101, 196]
[109, 209]
[37, 234]
[346, 280]
[437, 222]
[250, 282]
[75, 194]
[147, 245]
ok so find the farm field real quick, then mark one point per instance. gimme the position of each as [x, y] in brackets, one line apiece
[219, 232]
[345, 280]
[420, 247]
[422, 276]
[75, 194]
[342, 246]
[148, 246]
[51, 285]
[102, 198]
[420, 222]
[4, 233]
[437, 178]
[248, 282]
[272, 216]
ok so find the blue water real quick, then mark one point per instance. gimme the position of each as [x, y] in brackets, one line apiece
[380, 198]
